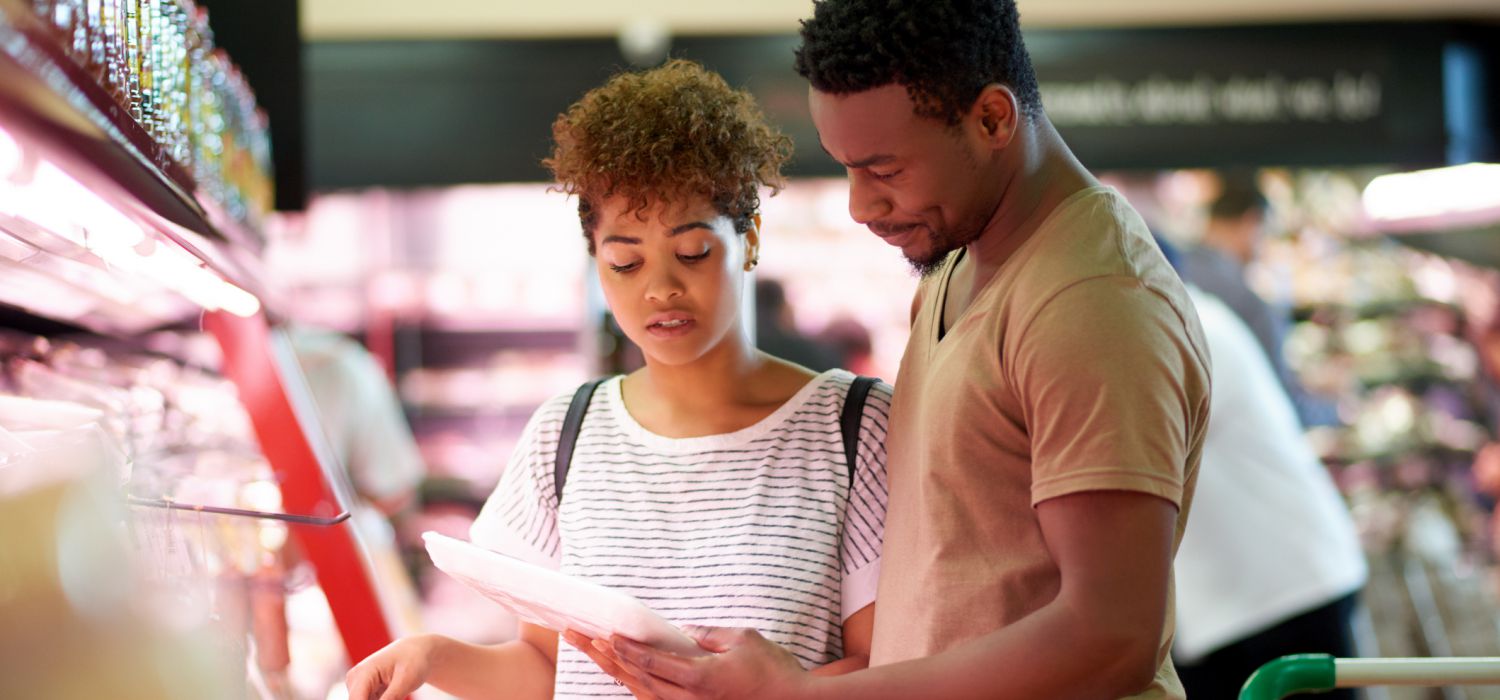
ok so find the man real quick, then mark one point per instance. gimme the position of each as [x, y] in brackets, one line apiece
[1231, 241]
[1052, 400]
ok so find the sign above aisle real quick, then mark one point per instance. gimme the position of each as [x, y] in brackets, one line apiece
[411, 113]
[1341, 95]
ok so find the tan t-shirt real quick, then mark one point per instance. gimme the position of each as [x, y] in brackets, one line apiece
[1080, 366]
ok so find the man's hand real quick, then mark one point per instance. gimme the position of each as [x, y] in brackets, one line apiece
[744, 665]
[603, 655]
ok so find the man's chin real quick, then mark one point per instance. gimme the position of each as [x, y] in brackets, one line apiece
[926, 265]
[935, 250]
[927, 259]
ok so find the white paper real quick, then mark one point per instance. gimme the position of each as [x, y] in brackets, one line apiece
[555, 600]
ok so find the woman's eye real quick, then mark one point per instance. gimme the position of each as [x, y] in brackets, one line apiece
[694, 258]
[625, 268]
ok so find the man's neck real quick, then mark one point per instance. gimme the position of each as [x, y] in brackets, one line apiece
[1045, 173]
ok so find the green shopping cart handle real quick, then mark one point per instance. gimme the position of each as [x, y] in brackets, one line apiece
[1299, 673]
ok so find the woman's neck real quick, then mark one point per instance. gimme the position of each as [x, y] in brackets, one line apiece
[718, 379]
[729, 388]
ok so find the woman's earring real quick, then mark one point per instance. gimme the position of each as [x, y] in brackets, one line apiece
[750, 264]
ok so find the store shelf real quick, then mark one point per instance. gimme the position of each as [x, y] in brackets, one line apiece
[53, 111]
[426, 422]
[450, 491]
[1369, 310]
[39, 77]
[102, 229]
[455, 346]
[1476, 246]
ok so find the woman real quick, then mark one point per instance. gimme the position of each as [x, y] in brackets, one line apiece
[711, 484]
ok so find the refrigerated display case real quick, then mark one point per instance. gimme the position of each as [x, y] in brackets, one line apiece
[136, 358]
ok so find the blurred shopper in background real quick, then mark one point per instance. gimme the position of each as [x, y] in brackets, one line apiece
[1271, 563]
[851, 340]
[361, 416]
[1232, 240]
[1484, 332]
[776, 331]
[372, 443]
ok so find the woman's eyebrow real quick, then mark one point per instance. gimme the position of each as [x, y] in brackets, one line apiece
[684, 228]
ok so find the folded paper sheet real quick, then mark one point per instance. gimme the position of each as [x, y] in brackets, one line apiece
[555, 600]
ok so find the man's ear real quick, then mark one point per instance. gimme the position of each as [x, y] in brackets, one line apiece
[996, 114]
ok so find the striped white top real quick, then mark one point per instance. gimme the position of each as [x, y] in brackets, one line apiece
[755, 528]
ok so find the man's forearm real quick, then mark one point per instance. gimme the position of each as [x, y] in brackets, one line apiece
[1053, 653]
[848, 664]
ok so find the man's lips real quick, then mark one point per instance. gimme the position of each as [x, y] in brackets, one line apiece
[897, 236]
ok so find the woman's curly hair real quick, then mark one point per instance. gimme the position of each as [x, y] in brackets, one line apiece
[671, 133]
[944, 52]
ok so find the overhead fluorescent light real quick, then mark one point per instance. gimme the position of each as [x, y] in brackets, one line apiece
[1455, 196]
[50, 209]
[174, 269]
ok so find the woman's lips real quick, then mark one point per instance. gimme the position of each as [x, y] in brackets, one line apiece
[671, 325]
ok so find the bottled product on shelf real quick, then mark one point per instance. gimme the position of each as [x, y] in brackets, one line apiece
[133, 178]
[101, 227]
[157, 61]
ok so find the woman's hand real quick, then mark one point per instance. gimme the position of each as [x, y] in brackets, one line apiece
[394, 672]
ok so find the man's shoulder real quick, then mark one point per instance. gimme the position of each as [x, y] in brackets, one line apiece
[1099, 237]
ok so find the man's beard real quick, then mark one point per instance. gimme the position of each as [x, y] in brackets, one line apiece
[941, 243]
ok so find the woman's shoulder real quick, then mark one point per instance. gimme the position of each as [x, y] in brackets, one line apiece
[842, 381]
[555, 407]
[550, 415]
[831, 391]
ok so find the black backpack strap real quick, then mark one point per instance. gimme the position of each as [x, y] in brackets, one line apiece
[849, 420]
[572, 423]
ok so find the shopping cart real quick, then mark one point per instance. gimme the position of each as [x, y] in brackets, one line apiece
[1317, 673]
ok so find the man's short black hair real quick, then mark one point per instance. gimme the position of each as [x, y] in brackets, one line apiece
[943, 51]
